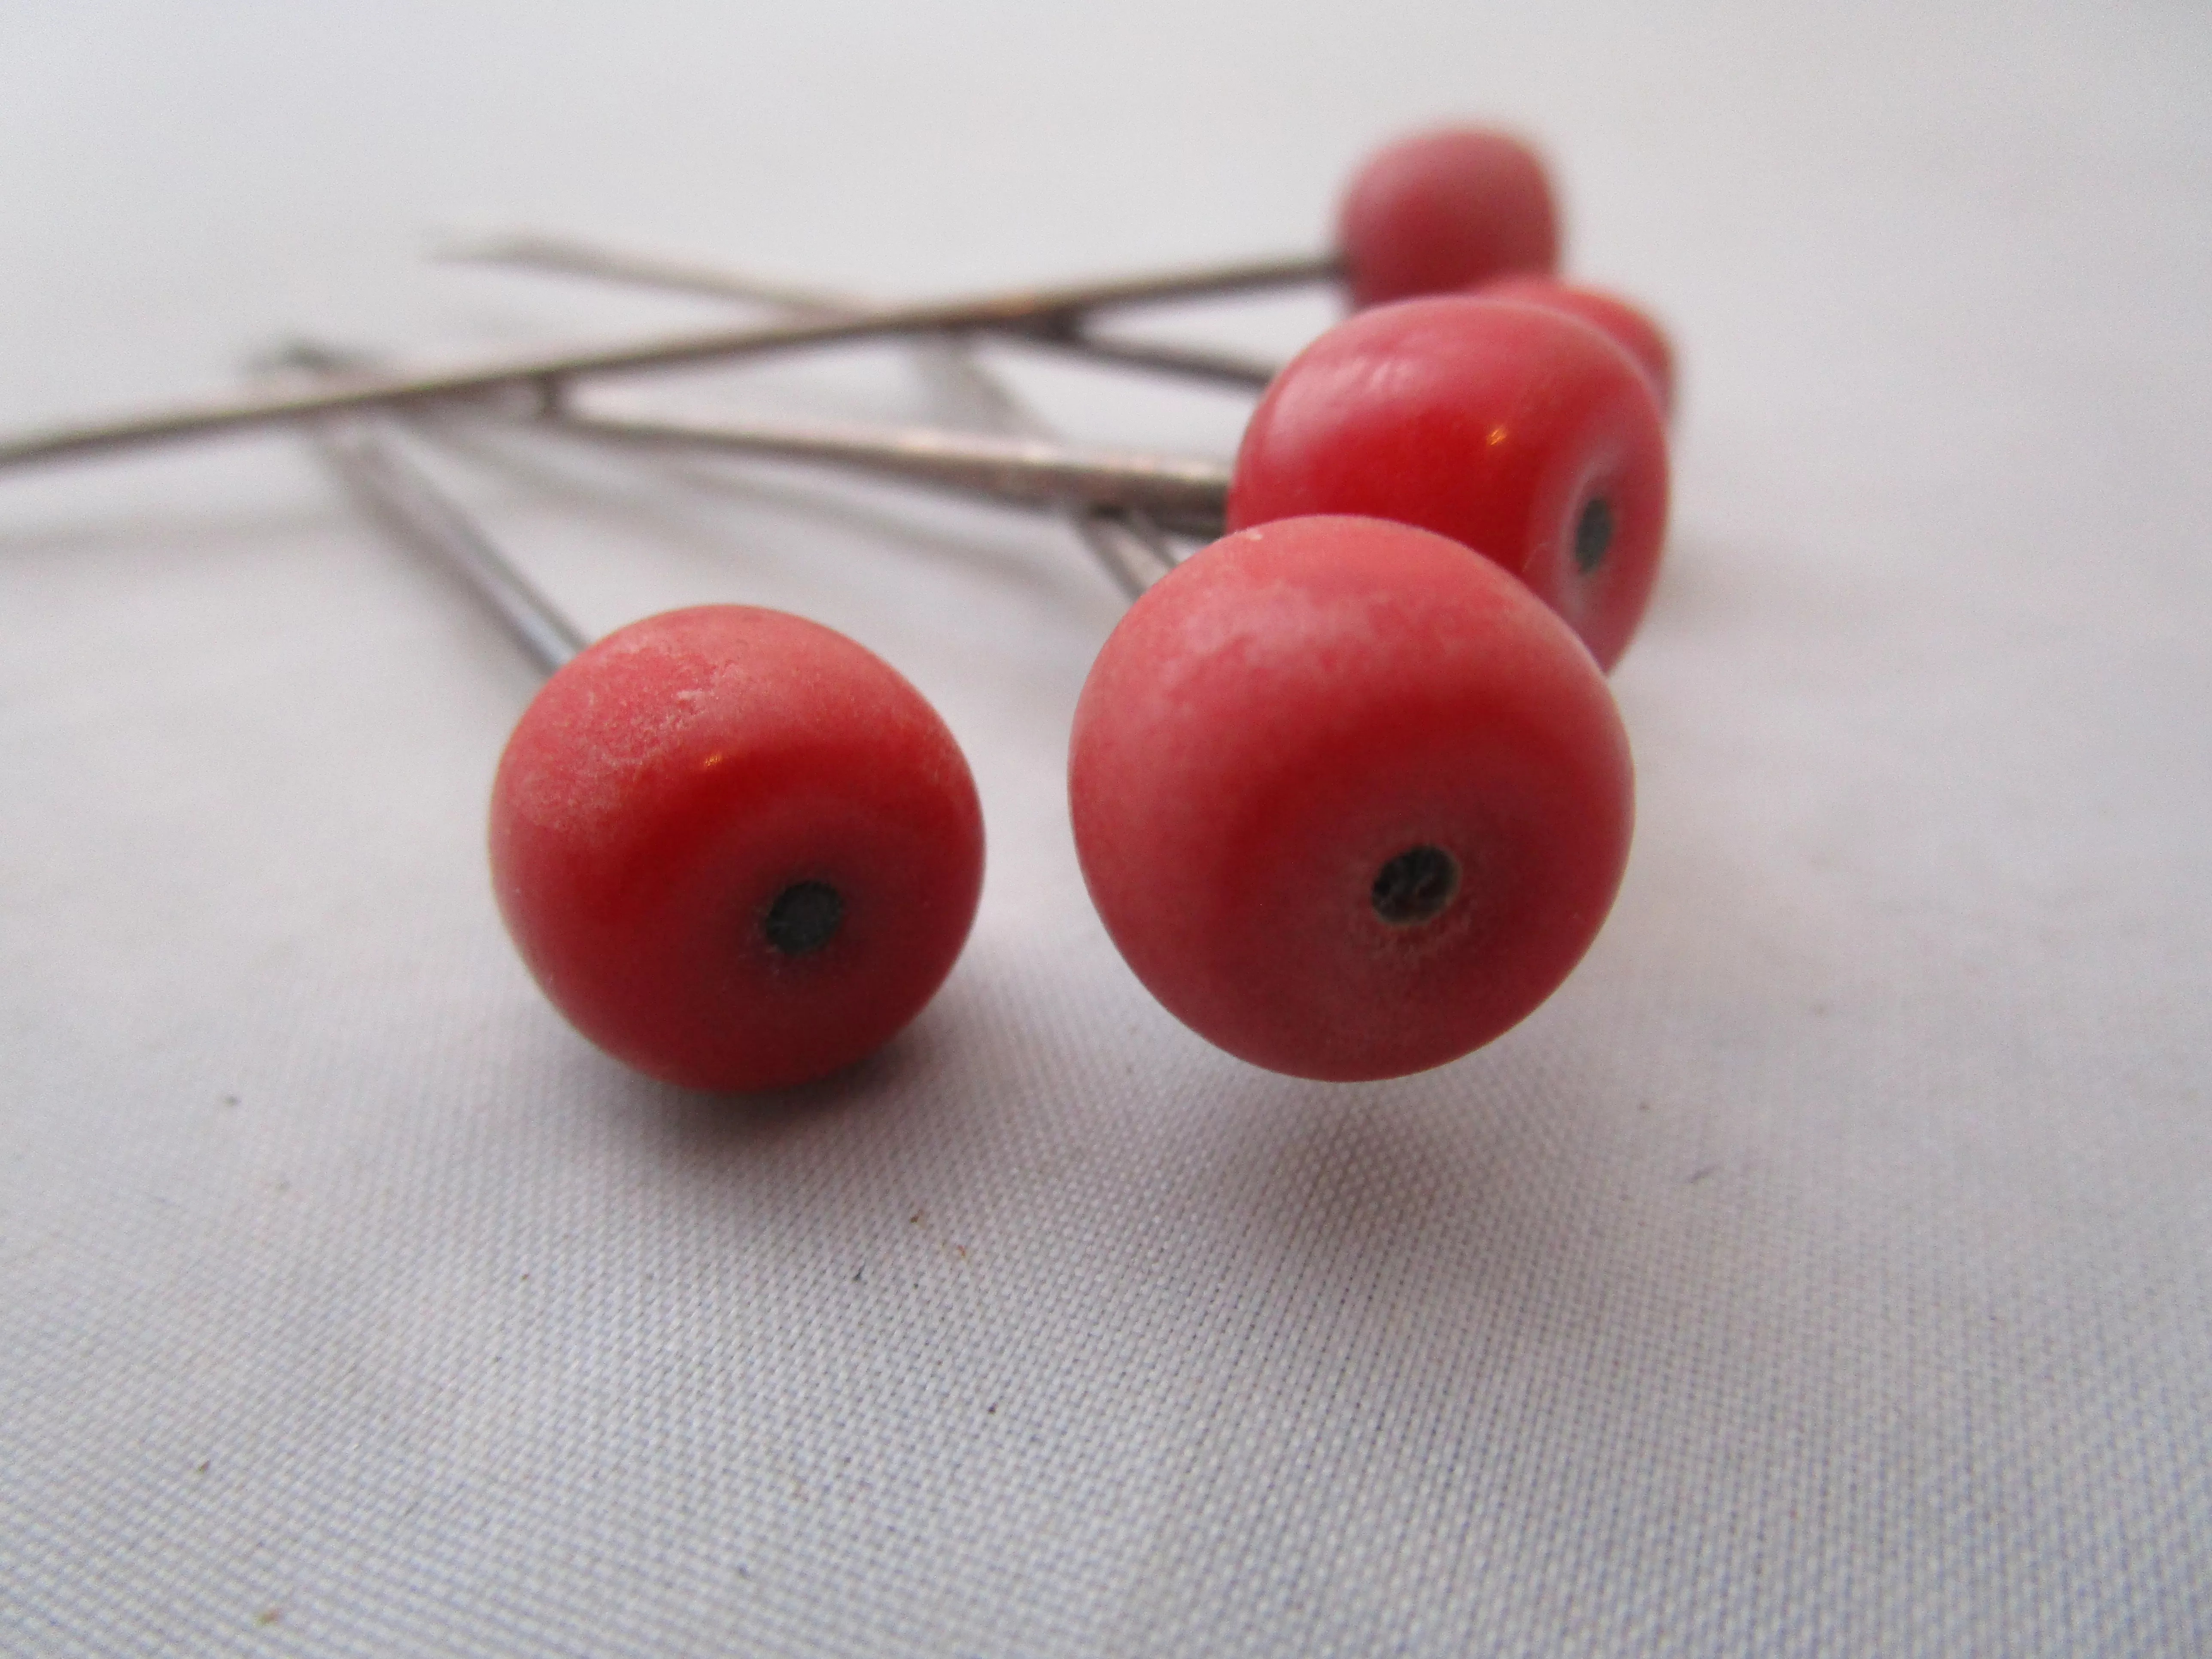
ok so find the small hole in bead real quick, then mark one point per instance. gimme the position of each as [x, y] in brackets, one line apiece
[1593, 534]
[805, 917]
[1415, 886]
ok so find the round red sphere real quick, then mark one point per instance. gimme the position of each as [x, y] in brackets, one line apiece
[1349, 800]
[736, 850]
[1444, 209]
[1524, 434]
[1627, 325]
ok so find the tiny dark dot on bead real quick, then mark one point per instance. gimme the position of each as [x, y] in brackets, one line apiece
[1415, 886]
[805, 917]
[1593, 534]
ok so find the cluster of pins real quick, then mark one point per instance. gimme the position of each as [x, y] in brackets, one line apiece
[1348, 786]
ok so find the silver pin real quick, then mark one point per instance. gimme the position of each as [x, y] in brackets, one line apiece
[1131, 548]
[1188, 495]
[543, 377]
[360, 450]
[1071, 334]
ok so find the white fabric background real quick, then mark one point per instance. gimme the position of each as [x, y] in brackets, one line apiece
[1822, 1271]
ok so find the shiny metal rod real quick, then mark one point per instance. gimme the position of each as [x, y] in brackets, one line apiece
[1126, 544]
[361, 451]
[1070, 332]
[1156, 357]
[1030, 471]
[544, 375]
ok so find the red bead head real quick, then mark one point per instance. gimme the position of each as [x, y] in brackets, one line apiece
[1443, 210]
[736, 849]
[1524, 434]
[1628, 327]
[1348, 799]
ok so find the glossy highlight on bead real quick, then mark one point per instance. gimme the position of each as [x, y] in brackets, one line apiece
[1626, 325]
[1524, 434]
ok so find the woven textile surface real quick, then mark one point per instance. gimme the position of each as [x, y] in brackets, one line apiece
[1822, 1271]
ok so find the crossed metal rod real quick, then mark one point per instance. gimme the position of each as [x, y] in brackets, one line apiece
[545, 377]
[1070, 333]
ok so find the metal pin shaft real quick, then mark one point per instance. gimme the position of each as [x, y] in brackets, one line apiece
[359, 450]
[1041, 305]
[1069, 332]
[1126, 544]
[1187, 493]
